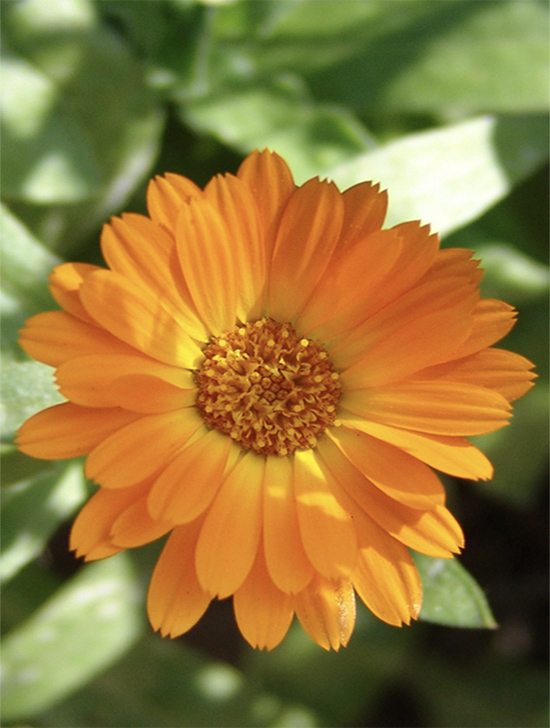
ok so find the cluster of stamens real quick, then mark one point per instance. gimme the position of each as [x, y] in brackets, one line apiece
[269, 390]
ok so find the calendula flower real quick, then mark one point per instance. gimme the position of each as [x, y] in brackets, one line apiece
[267, 376]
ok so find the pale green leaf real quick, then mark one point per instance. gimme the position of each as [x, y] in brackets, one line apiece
[450, 176]
[84, 628]
[451, 596]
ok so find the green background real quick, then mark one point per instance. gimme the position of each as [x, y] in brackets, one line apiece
[443, 102]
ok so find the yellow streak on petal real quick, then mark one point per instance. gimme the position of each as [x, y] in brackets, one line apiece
[286, 559]
[327, 530]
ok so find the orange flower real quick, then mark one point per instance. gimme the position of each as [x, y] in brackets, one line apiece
[268, 376]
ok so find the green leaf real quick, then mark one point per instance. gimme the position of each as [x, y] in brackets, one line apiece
[84, 628]
[450, 176]
[451, 596]
[108, 118]
[280, 115]
[32, 509]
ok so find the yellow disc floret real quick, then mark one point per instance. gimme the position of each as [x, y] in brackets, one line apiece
[268, 389]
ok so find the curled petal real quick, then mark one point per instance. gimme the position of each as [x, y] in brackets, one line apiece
[326, 610]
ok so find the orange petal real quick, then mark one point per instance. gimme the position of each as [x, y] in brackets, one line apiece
[497, 369]
[286, 559]
[209, 267]
[188, 484]
[262, 611]
[493, 319]
[364, 212]
[91, 531]
[53, 337]
[237, 206]
[65, 283]
[176, 601]
[386, 578]
[135, 527]
[91, 380]
[308, 233]
[166, 196]
[136, 316]
[326, 610]
[270, 182]
[439, 408]
[453, 455]
[335, 305]
[141, 448]
[150, 395]
[424, 326]
[68, 430]
[433, 532]
[327, 530]
[141, 251]
[231, 532]
[398, 474]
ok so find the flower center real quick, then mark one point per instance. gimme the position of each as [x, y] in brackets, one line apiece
[270, 391]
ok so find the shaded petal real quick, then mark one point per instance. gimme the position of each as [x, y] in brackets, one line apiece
[326, 610]
[65, 283]
[69, 431]
[230, 535]
[189, 483]
[270, 182]
[92, 532]
[307, 235]
[439, 408]
[433, 532]
[166, 196]
[398, 474]
[424, 326]
[139, 250]
[386, 578]
[262, 611]
[365, 209]
[286, 559]
[327, 530]
[92, 380]
[208, 264]
[135, 527]
[141, 448]
[237, 206]
[150, 395]
[453, 455]
[493, 319]
[502, 371]
[135, 315]
[53, 337]
[176, 601]
[350, 287]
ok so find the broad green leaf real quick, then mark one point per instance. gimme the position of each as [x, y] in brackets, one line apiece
[451, 596]
[455, 57]
[101, 91]
[90, 622]
[512, 275]
[25, 265]
[280, 116]
[449, 176]
[31, 511]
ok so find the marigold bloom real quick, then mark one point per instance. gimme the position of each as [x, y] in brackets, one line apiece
[268, 376]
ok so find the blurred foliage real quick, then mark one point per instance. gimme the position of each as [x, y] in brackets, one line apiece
[445, 104]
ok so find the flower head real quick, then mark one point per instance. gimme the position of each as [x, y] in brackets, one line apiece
[268, 376]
